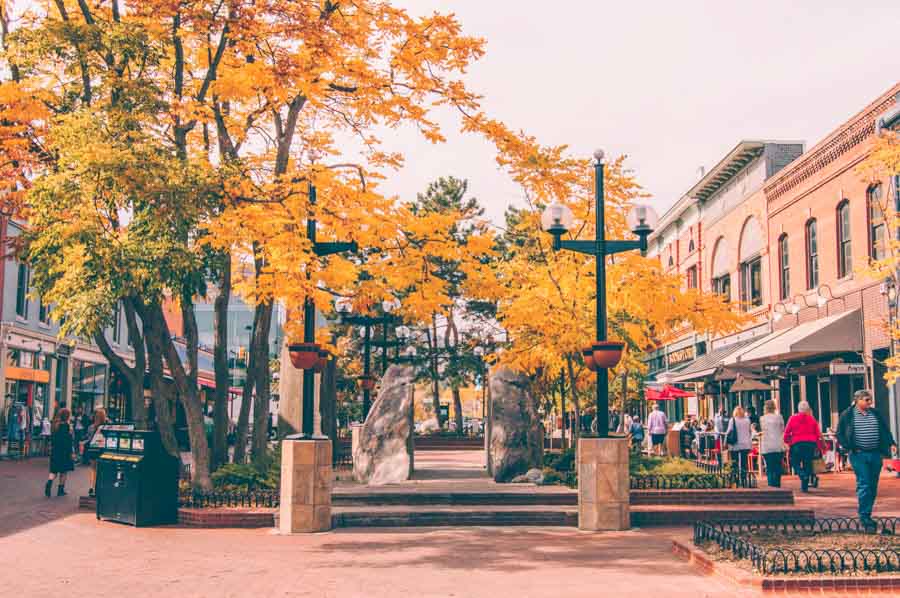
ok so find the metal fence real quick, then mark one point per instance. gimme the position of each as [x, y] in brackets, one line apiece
[699, 481]
[220, 498]
[735, 537]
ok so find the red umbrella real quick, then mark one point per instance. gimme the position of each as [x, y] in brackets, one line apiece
[675, 393]
[652, 394]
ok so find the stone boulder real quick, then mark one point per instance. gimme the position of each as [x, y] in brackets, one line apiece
[517, 438]
[382, 452]
[532, 476]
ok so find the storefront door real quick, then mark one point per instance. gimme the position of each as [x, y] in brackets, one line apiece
[824, 403]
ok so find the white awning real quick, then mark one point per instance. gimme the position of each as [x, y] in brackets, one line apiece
[833, 334]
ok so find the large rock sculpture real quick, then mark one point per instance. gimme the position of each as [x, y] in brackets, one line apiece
[382, 452]
[517, 438]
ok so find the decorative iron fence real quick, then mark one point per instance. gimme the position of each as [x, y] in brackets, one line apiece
[220, 498]
[698, 481]
[734, 536]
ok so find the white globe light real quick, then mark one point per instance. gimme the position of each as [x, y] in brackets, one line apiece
[642, 219]
[795, 309]
[362, 332]
[402, 332]
[343, 305]
[389, 305]
[777, 316]
[557, 219]
[479, 351]
[599, 154]
[410, 352]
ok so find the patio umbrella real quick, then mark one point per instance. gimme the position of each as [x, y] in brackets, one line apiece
[743, 383]
[675, 393]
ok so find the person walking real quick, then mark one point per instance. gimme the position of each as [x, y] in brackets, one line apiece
[738, 437]
[637, 434]
[771, 443]
[60, 452]
[802, 434]
[658, 426]
[98, 421]
[864, 433]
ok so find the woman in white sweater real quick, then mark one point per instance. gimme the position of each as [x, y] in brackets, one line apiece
[771, 443]
[739, 436]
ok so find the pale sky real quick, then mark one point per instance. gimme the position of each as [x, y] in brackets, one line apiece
[674, 85]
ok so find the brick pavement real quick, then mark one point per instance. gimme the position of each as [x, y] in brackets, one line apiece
[108, 559]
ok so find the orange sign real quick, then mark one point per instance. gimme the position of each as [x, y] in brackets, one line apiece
[42, 376]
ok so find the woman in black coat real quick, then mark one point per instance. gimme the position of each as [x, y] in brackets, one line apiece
[60, 452]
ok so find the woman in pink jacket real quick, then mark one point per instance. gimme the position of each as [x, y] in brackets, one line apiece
[802, 434]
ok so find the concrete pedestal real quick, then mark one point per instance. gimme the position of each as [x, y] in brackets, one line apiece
[603, 493]
[305, 486]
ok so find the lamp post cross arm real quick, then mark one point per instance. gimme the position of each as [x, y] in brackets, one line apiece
[330, 248]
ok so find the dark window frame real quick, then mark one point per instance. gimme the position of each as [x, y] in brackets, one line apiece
[722, 286]
[692, 275]
[844, 239]
[784, 268]
[23, 280]
[751, 294]
[877, 223]
[812, 254]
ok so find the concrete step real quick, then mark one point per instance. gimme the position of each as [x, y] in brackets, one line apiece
[421, 498]
[745, 496]
[672, 515]
[429, 516]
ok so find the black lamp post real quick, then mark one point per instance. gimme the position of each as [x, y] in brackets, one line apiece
[309, 316]
[557, 220]
[367, 322]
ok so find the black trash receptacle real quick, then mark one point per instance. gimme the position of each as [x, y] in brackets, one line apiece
[137, 480]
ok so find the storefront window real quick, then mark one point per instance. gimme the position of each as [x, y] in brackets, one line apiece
[876, 223]
[785, 267]
[722, 286]
[88, 385]
[845, 255]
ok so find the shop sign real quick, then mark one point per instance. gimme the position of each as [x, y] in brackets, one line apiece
[847, 369]
[680, 356]
[42, 376]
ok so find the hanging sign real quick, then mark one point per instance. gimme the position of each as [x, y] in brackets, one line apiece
[846, 369]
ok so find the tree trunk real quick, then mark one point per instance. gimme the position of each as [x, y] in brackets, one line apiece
[220, 364]
[562, 410]
[260, 345]
[576, 429]
[457, 410]
[433, 367]
[162, 394]
[186, 385]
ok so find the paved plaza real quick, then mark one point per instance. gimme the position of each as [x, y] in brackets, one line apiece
[60, 551]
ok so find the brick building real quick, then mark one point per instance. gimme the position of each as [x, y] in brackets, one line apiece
[787, 236]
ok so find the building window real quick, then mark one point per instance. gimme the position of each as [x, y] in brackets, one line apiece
[671, 261]
[722, 286]
[690, 246]
[845, 255]
[22, 292]
[877, 225]
[751, 283]
[692, 277]
[812, 256]
[43, 312]
[784, 268]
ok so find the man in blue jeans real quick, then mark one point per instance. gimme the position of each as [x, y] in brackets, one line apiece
[863, 432]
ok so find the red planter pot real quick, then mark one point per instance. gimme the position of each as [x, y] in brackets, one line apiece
[304, 355]
[587, 354]
[322, 361]
[607, 354]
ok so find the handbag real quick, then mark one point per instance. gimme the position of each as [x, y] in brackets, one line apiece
[731, 437]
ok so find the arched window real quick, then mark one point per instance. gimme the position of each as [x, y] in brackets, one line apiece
[784, 268]
[671, 261]
[721, 269]
[877, 225]
[691, 246]
[845, 254]
[812, 256]
[751, 264]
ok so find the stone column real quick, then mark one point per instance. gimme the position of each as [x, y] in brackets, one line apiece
[305, 486]
[603, 485]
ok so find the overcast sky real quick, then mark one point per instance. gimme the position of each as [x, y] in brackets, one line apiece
[674, 85]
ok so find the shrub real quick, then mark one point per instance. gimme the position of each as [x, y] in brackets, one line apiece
[262, 474]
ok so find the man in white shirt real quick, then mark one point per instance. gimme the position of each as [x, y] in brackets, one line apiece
[658, 426]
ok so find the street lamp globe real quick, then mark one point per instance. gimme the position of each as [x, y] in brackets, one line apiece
[389, 305]
[599, 154]
[557, 219]
[642, 220]
[402, 332]
[410, 352]
[362, 332]
[343, 305]
[479, 351]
